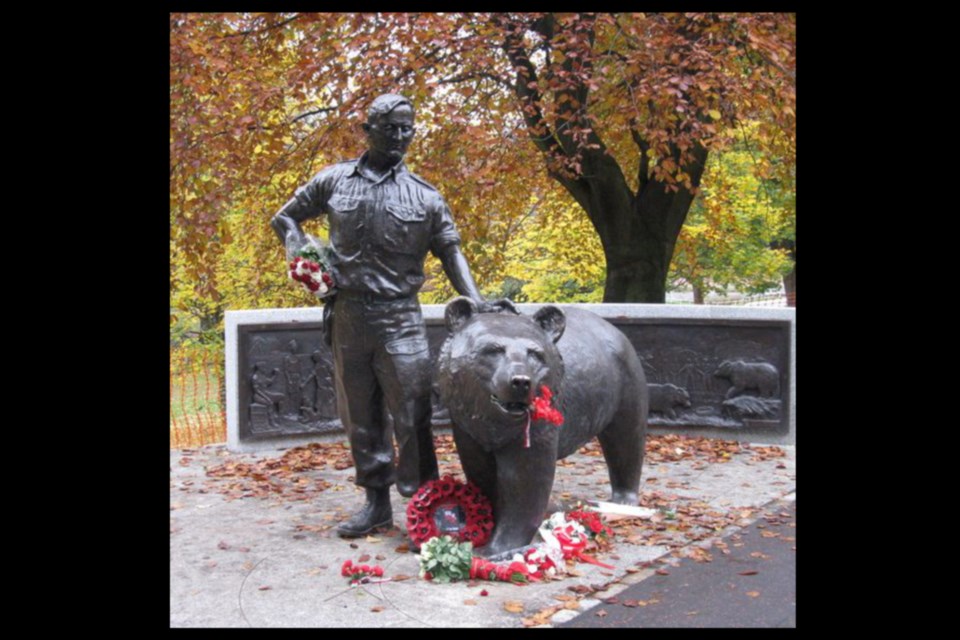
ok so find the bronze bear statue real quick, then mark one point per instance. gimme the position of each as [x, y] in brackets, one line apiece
[489, 371]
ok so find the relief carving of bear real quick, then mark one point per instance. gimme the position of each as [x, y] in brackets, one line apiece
[489, 371]
[664, 397]
[749, 376]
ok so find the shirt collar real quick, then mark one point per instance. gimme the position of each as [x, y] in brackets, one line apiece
[396, 170]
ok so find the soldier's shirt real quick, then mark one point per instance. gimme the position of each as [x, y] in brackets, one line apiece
[380, 229]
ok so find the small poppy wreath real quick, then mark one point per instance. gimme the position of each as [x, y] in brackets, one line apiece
[449, 507]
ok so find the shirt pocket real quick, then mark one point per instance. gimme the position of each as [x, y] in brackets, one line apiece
[346, 223]
[405, 229]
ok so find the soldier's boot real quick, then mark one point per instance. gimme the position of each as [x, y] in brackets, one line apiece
[375, 514]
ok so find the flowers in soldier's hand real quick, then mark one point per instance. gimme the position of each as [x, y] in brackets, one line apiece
[309, 268]
[311, 275]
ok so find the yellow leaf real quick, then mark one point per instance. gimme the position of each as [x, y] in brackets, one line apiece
[716, 115]
[753, 594]
[258, 148]
[513, 606]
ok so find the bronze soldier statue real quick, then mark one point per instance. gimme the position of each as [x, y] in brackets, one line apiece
[383, 219]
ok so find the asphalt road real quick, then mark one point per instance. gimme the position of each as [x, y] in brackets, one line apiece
[754, 585]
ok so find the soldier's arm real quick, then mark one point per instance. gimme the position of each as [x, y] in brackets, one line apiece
[456, 267]
[309, 201]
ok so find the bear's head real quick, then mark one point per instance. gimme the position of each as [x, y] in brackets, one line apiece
[492, 365]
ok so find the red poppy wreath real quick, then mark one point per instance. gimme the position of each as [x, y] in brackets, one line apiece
[449, 507]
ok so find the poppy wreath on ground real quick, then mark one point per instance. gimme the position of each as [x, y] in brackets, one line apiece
[449, 507]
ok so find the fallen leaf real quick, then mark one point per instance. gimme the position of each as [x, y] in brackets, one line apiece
[770, 534]
[631, 603]
[212, 564]
[353, 545]
[372, 539]
[759, 554]
[572, 605]
[264, 522]
[513, 606]
[223, 546]
[264, 588]
[692, 613]
[564, 597]
[403, 548]
[601, 613]
[363, 558]
[248, 566]
[399, 578]
[314, 572]
[470, 603]
[612, 600]
[747, 573]
[662, 572]
[579, 588]
[377, 609]
[381, 557]
[753, 594]
[243, 549]
[633, 570]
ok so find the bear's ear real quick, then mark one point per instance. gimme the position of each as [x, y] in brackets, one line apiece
[552, 320]
[458, 311]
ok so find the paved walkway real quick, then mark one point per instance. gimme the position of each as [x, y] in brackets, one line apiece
[252, 543]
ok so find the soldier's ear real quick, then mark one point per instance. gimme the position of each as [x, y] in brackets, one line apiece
[552, 320]
[458, 311]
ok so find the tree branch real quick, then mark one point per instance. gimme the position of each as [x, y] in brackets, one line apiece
[313, 113]
[528, 96]
[265, 29]
[473, 76]
[643, 171]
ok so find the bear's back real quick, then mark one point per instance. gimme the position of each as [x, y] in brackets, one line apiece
[602, 375]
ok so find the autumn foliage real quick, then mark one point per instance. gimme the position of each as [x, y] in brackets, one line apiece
[519, 116]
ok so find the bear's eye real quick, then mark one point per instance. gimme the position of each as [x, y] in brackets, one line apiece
[536, 354]
[493, 350]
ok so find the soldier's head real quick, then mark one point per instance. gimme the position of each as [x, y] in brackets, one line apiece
[389, 127]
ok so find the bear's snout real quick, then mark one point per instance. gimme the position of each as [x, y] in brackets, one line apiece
[520, 384]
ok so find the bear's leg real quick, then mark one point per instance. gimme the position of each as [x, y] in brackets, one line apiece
[524, 482]
[479, 466]
[622, 442]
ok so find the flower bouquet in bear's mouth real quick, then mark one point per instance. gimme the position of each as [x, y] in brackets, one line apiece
[309, 265]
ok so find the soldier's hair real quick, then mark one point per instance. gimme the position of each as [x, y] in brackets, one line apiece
[382, 105]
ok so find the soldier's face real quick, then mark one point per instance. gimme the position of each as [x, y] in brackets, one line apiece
[390, 135]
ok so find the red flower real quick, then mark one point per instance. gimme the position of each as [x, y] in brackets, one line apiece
[345, 570]
[378, 571]
[542, 409]
[484, 593]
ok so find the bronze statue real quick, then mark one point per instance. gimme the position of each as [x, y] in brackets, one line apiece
[383, 219]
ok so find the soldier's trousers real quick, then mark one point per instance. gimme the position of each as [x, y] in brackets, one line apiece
[381, 358]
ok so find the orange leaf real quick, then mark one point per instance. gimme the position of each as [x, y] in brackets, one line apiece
[753, 594]
[513, 606]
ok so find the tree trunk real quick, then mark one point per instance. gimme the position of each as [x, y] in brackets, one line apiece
[697, 294]
[638, 232]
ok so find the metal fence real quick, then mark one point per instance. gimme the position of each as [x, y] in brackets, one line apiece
[764, 300]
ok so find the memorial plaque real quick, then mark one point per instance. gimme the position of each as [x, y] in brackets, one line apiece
[285, 381]
[732, 375]
[714, 371]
